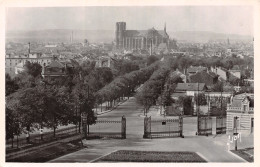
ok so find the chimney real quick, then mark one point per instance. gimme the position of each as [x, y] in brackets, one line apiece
[29, 48]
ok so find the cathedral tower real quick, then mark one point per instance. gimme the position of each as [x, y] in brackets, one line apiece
[120, 32]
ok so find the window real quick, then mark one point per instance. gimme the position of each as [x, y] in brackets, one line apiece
[236, 123]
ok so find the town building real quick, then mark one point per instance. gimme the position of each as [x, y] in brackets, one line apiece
[190, 89]
[141, 39]
[236, 73]
[209, 78]
[221, 72]
[194, 69]
[240, 113]
[58, 69]
[106, 62]
[11, 62]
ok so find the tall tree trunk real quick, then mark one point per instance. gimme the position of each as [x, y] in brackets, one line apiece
[54, 126]
[76, 118]
[54, 131]
[28, 131]
[80, 121]
[12, 141]
[17, 142]
[101, 106]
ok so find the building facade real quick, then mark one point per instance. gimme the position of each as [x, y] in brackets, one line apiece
[240, 114]
[13, 64]
[221, 72]
[191, 89]
[139, 39]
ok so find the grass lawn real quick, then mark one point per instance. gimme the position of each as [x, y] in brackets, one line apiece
[247, 154]
[151, 156]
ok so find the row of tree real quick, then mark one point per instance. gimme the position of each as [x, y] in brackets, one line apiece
[182, 62]
[124, 85]
[33, 102]
[153, 88]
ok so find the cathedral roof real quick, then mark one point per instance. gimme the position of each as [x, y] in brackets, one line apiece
[163, 33]
[146, 33]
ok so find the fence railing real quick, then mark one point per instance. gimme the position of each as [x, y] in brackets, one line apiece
[204, 125]
[163, 128]
[107, 128]
[45, 137]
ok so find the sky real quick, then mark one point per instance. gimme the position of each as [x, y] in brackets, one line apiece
[219, 19]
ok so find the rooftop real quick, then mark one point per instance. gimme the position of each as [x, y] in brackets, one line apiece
[194, 69]
[190, 86]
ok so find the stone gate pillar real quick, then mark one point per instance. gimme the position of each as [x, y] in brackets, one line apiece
[123, 128]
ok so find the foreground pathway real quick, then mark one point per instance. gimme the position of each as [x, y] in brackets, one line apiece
[212, 148]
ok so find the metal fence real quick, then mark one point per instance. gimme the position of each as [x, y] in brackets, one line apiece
[204, 125]
[45, 137]
[163, 128]
[107, 128]
[221, 125]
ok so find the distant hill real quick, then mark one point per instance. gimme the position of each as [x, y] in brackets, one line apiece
[60, 35]
[63, 35]
[205, 36]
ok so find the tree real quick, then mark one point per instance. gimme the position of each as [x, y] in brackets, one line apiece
[186, 103]
[200, 99]
[99, 77]
[218, 87]
[40, 106]
[34, 69]
[151, 59]
[28, 104]
[12, 124]
[166, 98]
[83, 100]
[216, 111]
[10, 85]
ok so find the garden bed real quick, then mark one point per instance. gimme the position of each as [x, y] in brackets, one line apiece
[151, 156]
[49, 152]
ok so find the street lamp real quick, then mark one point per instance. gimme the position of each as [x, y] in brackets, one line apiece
[235, 132]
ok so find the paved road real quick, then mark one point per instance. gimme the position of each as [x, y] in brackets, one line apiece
[212, 148]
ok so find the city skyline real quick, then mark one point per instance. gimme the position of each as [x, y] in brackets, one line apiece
[233, 19]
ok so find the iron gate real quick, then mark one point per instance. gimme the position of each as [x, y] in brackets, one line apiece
[106, 128]
[204, 125]
[220, 125]
[160, 128]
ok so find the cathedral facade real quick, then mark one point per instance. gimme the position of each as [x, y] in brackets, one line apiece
[140, 39]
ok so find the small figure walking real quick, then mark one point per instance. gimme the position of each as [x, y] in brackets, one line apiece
[41, 133]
